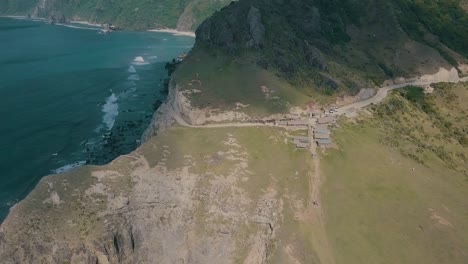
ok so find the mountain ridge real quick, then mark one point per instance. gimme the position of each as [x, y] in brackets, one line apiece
[183, 15]
[326, 39]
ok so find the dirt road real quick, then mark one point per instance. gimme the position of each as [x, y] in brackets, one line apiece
[380, 95]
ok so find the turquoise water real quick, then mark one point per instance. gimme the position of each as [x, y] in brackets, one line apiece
[70, 96]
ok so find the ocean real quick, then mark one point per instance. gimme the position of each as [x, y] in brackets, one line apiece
[70, 96]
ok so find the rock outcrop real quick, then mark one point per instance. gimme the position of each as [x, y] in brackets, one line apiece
[256, 28]
[240, 25]
[170, 201]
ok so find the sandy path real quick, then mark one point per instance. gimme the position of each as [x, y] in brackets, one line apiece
[314, 208]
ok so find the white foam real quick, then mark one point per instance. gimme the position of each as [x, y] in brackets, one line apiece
[110, 110]
[152, 57]
[69, 167]
[134, 77]
[139, 61]
[131, 69]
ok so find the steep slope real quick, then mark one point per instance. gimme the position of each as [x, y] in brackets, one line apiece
[245, 195]
[184, 15]
[186, 196]
[324, 47]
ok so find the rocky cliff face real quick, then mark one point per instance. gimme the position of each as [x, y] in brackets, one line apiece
[186, 196]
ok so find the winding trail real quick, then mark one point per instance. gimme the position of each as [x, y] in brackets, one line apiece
[381, 94]
[314, 212]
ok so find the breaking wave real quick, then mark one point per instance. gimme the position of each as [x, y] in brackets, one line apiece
[110, 110]
[69, 167]
[139, 61]
[131, 69]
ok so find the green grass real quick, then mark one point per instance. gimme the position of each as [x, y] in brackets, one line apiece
[268, 156]
[383, 205]
[378, 209]
[429, 128]
[442, 18]
[225, 80]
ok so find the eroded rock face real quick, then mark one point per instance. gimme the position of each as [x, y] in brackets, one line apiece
[257, 30]
[141, 209]
[241, 26]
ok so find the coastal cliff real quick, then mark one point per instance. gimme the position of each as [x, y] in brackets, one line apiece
[182, 197]
[246, 194]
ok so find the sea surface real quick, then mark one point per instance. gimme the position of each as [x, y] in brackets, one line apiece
[71, 96]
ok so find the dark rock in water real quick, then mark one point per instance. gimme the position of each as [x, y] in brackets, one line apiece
[165, 88]
[62, 19]
[52, 20]
[58, 18]
[156, 105]
[170, 67]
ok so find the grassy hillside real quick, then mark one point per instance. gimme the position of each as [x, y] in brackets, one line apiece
[396, 187]
[125, 13]
[222, 82]
[337, 47]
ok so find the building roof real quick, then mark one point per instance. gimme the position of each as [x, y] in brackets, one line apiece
[321, 135]
[322, 130]
[323, 141]
[321, 126]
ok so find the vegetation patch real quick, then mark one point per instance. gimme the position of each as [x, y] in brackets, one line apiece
[381, 204]
[429, 128]
[221, 81]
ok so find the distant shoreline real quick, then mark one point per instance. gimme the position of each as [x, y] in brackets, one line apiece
[25, 17]
[87, 23]
[174, 32]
